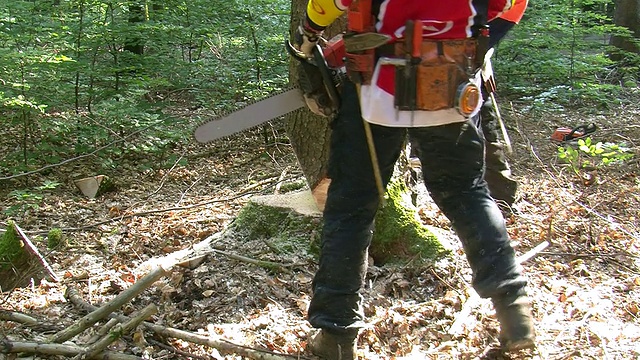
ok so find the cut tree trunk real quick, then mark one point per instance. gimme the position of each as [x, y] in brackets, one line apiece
[292, 221]
[309, 133]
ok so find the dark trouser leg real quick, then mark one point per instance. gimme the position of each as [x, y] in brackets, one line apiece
[498, 174]
[453, 166]
[352, 202]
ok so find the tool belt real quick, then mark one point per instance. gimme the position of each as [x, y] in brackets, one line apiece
[443, 77]
[442, 80]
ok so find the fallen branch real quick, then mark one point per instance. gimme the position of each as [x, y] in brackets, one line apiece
[117, 332]
[193, 256]
[269, 265]
[18, 317]
[7, 347]
[222, 345]
[103, 331]
[34, 250]
[102, 312]
[456, 327]
[177, 351]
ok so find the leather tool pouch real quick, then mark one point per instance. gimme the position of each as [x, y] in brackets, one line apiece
[360, 67]
[445, 67]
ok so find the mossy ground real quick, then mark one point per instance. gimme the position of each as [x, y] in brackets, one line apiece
[17, 267]
[11, 249]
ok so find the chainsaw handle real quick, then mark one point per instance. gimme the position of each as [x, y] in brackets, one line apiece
[327, 78]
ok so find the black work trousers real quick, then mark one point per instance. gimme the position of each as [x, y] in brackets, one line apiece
[452, 158]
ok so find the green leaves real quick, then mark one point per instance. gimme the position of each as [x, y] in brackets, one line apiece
[557, 56]
[588, 154]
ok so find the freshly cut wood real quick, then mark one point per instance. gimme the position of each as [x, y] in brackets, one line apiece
[92, 186]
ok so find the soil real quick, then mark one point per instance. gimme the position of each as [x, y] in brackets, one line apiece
[585, 285]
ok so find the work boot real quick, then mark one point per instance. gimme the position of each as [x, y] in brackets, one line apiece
[333, 346]
[516, 322]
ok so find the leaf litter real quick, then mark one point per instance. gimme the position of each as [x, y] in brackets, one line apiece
[585, 287]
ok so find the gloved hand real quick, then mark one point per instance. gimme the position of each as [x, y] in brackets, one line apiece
[304, 41]
[310, 79]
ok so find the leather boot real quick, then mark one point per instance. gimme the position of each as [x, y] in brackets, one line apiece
[516, 322]
[333, 346]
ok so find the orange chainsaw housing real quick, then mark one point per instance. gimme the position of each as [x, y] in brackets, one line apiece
[334, 52]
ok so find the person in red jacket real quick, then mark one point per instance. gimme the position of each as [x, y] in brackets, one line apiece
[429, 90]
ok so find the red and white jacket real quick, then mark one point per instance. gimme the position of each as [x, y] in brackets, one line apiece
[445, 20]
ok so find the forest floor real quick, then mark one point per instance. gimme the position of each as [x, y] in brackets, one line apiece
[585, 286]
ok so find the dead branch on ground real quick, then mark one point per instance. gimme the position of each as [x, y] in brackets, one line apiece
[18, 317]
[222, 345]
[7, 346]
[117, 332]
[102, 312]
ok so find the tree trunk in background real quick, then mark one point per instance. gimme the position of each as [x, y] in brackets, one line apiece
[137, 14]
[627, 14]
[310, 134]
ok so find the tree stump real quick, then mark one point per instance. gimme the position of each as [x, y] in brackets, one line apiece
[293, 222]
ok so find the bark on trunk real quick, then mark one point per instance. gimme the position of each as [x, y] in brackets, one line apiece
[310, 134]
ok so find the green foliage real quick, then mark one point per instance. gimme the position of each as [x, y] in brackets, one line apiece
[26, 200]
[593, 155]
[558, 56]
[55, 237]
[69, 86]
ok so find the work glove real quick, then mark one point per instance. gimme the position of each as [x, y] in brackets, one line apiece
[304, 47]
[304, 41]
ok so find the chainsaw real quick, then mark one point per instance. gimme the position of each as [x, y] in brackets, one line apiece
[320, 79]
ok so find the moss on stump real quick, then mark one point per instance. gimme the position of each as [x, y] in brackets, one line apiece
[17, 266]
[399, 235]
[292, 223]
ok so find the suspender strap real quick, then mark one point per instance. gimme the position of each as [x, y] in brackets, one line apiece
[480, 29]
[482, 16]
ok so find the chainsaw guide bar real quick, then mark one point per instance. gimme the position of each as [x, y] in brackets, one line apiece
[250, 115]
